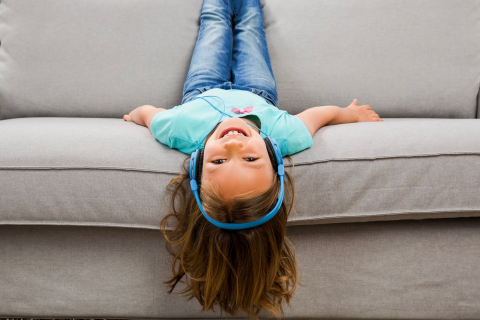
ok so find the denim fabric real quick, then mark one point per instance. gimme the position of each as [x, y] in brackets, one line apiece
[231, 51]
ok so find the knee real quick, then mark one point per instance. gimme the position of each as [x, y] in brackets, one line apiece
[250, 16]
[212, 12]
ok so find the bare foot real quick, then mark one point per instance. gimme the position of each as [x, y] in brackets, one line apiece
[364, 112]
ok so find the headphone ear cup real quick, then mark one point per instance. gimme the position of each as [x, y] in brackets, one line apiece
[271, 153]
[199, 167]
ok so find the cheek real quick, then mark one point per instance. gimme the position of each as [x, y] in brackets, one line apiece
[211, 151]
[210, 148]
[260, 146]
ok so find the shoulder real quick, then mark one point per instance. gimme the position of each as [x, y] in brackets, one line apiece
[291, 134]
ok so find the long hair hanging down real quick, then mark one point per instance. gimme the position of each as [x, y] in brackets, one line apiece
[248, 269]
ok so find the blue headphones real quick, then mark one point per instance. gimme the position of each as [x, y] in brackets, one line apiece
[196, 164]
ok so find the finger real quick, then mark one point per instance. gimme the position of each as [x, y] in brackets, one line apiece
[127, 117]
[355, 101]
[367, 106]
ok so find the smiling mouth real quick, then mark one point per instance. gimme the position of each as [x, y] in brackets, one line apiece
[233, 131]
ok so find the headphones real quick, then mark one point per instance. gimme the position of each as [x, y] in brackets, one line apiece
[196, 164]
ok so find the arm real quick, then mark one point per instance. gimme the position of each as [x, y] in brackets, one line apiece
[148, 114]
[317, 117]
[143, 115]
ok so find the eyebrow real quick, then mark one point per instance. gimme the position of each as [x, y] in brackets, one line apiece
[256, 166]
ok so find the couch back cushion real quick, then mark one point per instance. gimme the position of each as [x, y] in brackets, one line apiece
[103, 58]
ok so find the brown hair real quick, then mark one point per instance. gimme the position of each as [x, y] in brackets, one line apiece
[246, 269]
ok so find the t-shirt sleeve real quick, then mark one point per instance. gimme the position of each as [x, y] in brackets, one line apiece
[161, 126]
[163, 129]
[291, 134]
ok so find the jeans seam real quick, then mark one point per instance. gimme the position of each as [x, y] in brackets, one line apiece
[272, 99]
[234, 13]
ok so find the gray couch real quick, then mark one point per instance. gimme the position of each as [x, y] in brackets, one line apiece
[387, 222]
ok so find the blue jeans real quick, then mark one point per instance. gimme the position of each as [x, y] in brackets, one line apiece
[231, 51]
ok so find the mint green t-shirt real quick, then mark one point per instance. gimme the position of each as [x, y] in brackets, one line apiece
[183, 126]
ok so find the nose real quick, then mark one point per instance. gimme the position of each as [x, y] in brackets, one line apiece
[233, 144]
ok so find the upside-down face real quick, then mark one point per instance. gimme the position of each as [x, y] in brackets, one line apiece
[236, 159]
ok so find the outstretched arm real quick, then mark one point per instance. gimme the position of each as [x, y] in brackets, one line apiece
[317, 117]
[143, 115]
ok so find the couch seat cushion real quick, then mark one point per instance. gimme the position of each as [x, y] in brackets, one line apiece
[108, 172]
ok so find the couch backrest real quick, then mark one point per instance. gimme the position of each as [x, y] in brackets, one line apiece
[405, 58]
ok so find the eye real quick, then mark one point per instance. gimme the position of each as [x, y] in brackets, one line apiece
[220, 161]
[251, 159]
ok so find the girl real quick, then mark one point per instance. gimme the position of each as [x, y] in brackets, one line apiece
[229, 108]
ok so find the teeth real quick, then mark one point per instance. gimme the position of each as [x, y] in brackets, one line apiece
[233, 132]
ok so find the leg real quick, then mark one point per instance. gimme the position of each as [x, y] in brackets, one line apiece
[251, 66]
[211, 59]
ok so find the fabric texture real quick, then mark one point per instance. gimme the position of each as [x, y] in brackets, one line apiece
[79, 187]
[409, 269]
[407, 59]
[183, 127]
[108, 172]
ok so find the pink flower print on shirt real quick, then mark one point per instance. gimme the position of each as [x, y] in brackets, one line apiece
[245, 110]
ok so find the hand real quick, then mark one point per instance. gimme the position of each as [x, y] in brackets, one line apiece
[136, 115]
[363, 112]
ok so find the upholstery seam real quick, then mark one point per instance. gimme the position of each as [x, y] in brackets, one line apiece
[476, 109]
[389, 213]
[76, 223]
[145, 226]
[89, 168]
[387, 157]
[286, 165]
